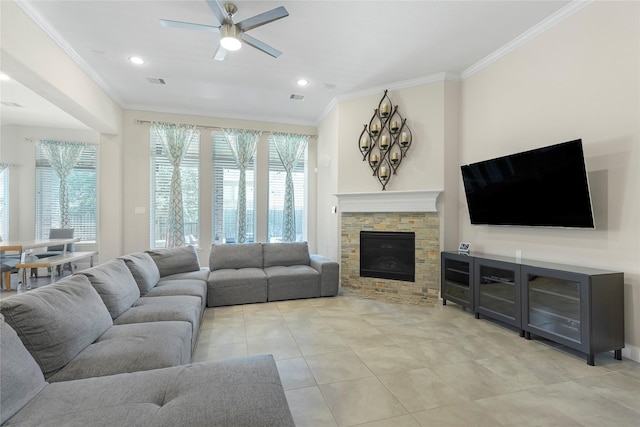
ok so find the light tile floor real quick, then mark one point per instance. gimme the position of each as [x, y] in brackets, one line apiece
[348, 361]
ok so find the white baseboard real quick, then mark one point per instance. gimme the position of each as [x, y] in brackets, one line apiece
[631, 352]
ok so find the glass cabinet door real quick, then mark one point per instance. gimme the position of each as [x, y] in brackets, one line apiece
[554, 305]
[456, 280]
[497, 291]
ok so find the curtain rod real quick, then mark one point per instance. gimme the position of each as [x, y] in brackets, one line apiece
[51, 139]
[148, 122]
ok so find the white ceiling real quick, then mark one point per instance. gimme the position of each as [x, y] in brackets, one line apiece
[341, 47]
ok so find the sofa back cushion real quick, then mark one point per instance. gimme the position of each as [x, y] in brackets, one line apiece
[115, 285]
[285, 254]
[144, 270]
[243, 255]
[21, 375]
[175, 260]
[58, 321]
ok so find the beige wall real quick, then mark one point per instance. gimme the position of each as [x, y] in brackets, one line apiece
[423, 167]
[580, 79]
[432, 113]
[327, 224]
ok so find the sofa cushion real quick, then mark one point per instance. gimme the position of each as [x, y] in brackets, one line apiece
[243, 255]
[285, 254]
[167, 308]
[131, 348]
[296, 281]
[58, 321]
[115, 285]
[238, 392]
[201, 274]
[230, 287]
[20, 375]
[194, 288]
[175, 260]
[144, 270]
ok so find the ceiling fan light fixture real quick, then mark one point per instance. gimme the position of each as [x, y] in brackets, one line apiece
[230, 40]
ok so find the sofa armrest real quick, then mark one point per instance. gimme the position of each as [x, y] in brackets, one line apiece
[329, 274]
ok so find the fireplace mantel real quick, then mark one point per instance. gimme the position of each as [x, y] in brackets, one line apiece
[390, 201]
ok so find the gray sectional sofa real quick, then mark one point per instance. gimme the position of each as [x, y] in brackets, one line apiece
[112, 345]
[261, 272]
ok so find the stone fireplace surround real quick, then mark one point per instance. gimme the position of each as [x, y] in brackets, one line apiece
[409, 211]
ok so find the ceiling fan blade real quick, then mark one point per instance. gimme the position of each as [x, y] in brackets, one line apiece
[260, 45]
[220, 53]
[189, 26]
[263, 18]
[218, 10]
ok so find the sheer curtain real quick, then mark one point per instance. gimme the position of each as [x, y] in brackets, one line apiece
[243, 146]
[291, 148]
[175, 143]
[62, 156]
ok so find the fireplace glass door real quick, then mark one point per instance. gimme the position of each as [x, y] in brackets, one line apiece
[388, 255]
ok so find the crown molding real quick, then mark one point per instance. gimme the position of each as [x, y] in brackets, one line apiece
[530, 34]
[33, 13]
[403, 84]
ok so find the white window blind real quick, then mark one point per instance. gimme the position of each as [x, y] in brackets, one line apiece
[161, 188]
[82, 192]
[277, 177]
[225, 194]
[4, 204]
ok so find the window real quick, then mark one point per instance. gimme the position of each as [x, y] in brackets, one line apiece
[4, 204]
[226, 175]
[277, 177]
[82, 195]
[161, 189]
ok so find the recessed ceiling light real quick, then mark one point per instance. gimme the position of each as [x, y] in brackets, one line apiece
[303, 82]
[136, 60]
[4, 77]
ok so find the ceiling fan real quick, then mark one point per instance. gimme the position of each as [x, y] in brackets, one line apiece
[233, 33]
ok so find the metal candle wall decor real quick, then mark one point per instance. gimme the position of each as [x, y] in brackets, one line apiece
[384, 142]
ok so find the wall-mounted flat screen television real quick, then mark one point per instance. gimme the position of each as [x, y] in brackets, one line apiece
[545, 187]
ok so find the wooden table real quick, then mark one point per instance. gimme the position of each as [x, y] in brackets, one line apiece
[56, 260]
[22, 246]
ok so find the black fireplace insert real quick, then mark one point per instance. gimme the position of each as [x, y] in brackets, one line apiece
[388, 255]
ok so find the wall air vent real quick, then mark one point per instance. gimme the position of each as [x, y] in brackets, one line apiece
[156, 81]
[10, 104]
[296, 97]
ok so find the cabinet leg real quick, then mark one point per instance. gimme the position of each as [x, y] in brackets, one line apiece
[617, 354]
[477, 315]
[591, 359]
[527, 335]
[521, 332]
[444, 301]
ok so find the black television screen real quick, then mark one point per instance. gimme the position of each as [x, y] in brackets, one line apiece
[543, 187]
